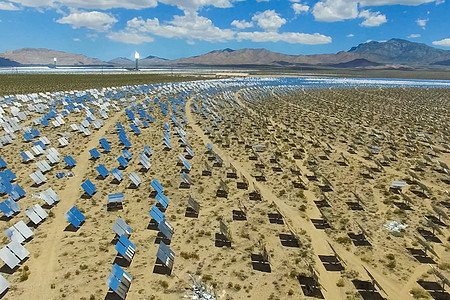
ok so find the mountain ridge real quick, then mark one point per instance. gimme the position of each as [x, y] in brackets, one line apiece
[395, 52]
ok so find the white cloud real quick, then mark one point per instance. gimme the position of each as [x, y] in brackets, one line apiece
[241, 24]
[129, 37]
[300, 8]
[130, 4]
[262, 0]
[372, 18]
[444, 42]
[76, 39]
[8, 6]
[196, 4]
[350, 35]
[191, 27]
[269, 20]
[289, 37]
[422, 22]
[93, 20]
[396, 2]
[335, 10]
[414, 35]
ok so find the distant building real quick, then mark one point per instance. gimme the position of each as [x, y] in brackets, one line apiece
[228, 75]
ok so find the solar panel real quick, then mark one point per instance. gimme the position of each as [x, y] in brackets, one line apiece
[117, 174]
[189, 151]
[165, 255]
[125, 247]
[75, 217]
[88, 187]
[165, 229]
[49, 196]
[135, 179]
[135, 129]
[119, 197]
[19, 232]
[156, 214]
[101, 169]
[148, 150]
[4, 284]
[127, 154]
[121, 228]
[157, 186]
[9, 258]
[63, 142]
[3, 164]
[36, 214]
[186, 178]
[43, 166]
[70, 161]
[94, 153]
[193, 204]
[38, 177]
[105, 145]
[119, 281]
[123, 162]
[6, 210]
[162, 199]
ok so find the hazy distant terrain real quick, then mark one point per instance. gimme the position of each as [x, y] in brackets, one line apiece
[393, 54]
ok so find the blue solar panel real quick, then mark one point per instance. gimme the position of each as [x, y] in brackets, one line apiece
[135, 129]
[28, 137]
[70, 161]
[8, 175]
[127, 154]
[122, 161]
[94, 153]
[156, 214]
[12, 205]
[165, 229]
[117, 174]
[102, 170]
[39, 143]
[148, 150]
[5, 209]
[187, 165]
[166, 126]
[105, 145]
[145, 124]
[121, 249]
[17, 192]
[126, 242]
[88, 187]
[75, 217]
[24, 156]
[157, 186]
[119, 197]
[35, 132]
[162, 199]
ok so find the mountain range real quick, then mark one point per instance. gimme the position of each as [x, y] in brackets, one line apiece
[395, 53]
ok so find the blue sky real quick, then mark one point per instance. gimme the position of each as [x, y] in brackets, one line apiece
[180, 28]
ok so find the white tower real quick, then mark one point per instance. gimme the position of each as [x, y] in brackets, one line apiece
[136, 56]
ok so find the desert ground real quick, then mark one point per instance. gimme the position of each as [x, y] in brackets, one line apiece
[302, 178]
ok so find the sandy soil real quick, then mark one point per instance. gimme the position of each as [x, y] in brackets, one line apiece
[308, 131]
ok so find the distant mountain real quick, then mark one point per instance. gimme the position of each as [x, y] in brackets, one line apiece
[40, 56]
[121, 61]
[357, 63]
[401, 52]
[395, 53]
[8, 63]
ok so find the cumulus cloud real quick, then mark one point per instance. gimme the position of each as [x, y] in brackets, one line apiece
[8, 6]
[444, 42]
[89, 4]
[335, 10]
[241, 24]
[396, 2]
[300, 8]
[372, 18]
[289, 37]
[93, 20]
[422, 22]
[350, 35]
[414, 35]
[191, 27]
[269, 20]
